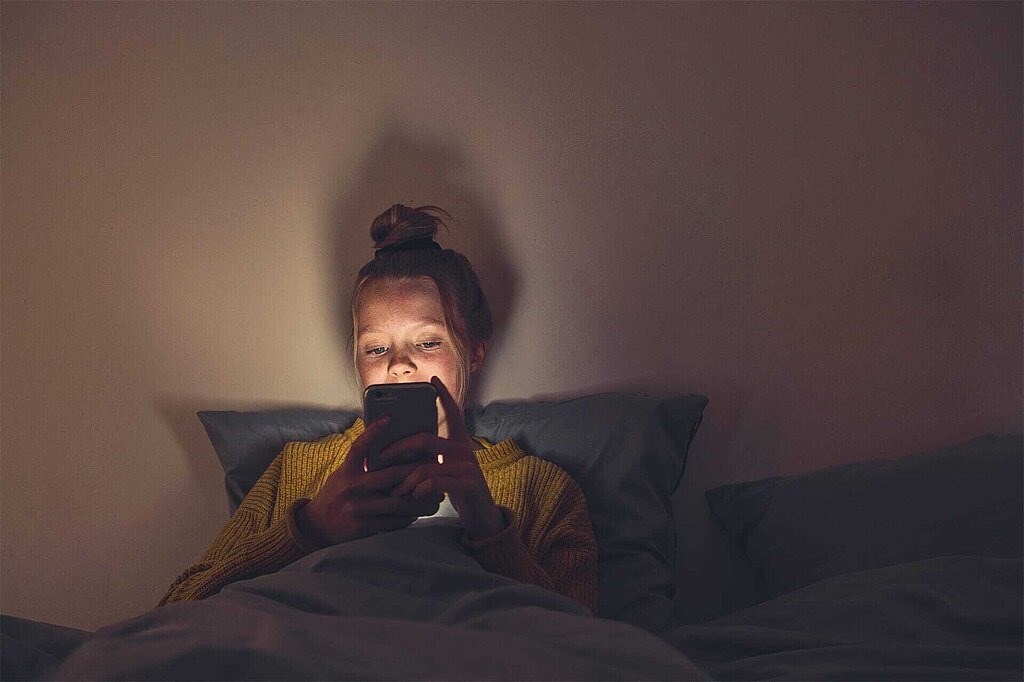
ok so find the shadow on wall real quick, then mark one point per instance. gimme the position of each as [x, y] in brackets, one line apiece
[179, 414]
[398, 169]
[403, 169]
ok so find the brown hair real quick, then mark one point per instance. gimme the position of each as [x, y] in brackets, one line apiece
[467, 315]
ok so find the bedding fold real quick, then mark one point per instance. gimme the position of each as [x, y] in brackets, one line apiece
[945, 618]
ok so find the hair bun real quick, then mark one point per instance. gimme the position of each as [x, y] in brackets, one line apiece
[401, 224]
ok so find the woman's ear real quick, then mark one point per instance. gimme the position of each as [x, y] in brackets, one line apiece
[476, 356]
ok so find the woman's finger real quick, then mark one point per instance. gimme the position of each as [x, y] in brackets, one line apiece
[378, 506]
[427, 445]
[456, 470]
[456, 424]
[357, 453]
[414, 478]
[426, 487]
[437, 484]
[382, 479]
[442, 484]
[426, 505]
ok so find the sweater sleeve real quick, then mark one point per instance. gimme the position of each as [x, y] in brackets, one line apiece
[252, 543]
[566, 560]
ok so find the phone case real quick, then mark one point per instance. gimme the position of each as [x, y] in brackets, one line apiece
[412, 408]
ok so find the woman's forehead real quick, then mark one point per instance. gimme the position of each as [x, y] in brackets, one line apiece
[407, 300]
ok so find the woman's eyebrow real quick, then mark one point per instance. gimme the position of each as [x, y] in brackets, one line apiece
[422, 322]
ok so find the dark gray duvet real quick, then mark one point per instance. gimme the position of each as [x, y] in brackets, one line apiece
[411, 604]
[414, 605]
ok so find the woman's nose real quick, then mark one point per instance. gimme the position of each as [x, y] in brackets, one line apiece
[401, 366]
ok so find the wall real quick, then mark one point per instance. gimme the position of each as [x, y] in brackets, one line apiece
[809, 212]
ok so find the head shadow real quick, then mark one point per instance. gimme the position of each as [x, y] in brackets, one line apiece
[402, 168]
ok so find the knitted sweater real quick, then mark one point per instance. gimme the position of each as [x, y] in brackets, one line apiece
[547, 540]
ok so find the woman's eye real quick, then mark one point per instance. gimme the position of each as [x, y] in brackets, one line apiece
[379, 350]
[429, 345]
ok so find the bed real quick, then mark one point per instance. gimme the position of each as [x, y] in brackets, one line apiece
[905, 568]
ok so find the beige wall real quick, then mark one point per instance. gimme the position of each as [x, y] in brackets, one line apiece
[809, 212]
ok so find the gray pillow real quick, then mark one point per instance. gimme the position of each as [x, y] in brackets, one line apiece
[247, 442]
[627, 452]
[961, 500]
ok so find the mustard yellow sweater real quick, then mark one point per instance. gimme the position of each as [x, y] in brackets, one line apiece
[547, 541]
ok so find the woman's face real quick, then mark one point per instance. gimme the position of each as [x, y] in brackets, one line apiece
[400, 337]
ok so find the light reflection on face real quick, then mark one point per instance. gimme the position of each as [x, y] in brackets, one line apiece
[401, 337]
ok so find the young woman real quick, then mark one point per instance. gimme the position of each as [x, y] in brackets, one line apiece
[418, 314]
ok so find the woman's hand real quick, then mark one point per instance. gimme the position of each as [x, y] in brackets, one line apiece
[354, 503]
[454, 470]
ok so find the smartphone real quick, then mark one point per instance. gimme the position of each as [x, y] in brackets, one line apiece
[412, 408]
